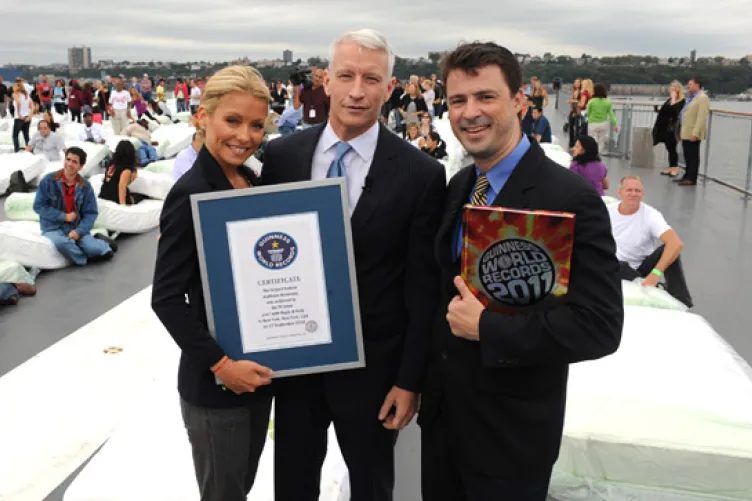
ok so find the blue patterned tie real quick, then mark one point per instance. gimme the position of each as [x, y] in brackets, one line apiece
[337, 168]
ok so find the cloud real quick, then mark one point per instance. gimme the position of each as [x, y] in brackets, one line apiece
[189, 30]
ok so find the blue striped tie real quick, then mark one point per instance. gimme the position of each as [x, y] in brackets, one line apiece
[337, 168]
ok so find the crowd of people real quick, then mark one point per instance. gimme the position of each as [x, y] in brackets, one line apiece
[492, 385]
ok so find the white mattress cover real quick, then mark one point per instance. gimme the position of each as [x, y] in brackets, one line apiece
[48, 169]
[139, 218]
[670, 414]
[121, 471]
[22, 241]
[172, 139]
[152, 185]
[31, 165]
[112, 141]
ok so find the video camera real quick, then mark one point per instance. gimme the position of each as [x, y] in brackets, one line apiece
[302, 76]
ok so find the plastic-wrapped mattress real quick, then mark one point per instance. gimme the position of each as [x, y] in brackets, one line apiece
[31, 165]
[138, 218]
[667, 417]
[172, 139]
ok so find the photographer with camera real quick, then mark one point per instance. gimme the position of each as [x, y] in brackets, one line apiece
[308, 90]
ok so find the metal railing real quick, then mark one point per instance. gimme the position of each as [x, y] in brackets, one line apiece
[725, 154]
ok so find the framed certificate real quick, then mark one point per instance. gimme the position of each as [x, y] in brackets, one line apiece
[278, 275]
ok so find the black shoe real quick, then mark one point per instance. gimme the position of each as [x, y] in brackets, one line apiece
[109, 241]
[678, 179]
[104, 257]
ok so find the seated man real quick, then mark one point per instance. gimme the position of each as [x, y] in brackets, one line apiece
[92, 132]
[46, 143]
[541, 126]
[638, 230]
[146, 152]
[435, 146]
[67, 208]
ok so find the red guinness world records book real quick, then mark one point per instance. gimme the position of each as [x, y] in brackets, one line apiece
[514, 259]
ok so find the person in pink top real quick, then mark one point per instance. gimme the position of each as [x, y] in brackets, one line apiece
[587, 163]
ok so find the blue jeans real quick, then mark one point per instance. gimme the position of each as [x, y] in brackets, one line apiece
[7, 291]
[180, 104]
[146, 96]
[285, 130]
[77, 251]
[146, 154]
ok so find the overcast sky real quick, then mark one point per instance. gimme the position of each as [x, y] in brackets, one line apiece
[39, 31]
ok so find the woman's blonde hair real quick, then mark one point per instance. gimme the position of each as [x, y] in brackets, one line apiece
[587, 85]
[233, 79]
[20, 88]
[415, 126]
[676, 85]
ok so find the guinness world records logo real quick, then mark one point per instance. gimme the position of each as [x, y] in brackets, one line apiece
[276, 251]
[517, 272]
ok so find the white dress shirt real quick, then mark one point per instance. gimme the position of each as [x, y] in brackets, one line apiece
[97, 133]
[357, 160]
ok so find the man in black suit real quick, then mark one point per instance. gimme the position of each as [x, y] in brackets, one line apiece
[396, 195]
[492, 408]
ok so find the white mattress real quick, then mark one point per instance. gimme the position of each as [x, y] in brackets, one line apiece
[668, 417]
[164, 167]
[71, 130]
[122, 472]
[22, 241]
[31, 165]
[95, 153]
[112, 141]
[139, 218]
[152, 185]
[557, 154]
[172, 139]
[48, 169]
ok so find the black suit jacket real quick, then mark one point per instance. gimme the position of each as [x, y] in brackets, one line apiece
[177, 274]
[504, 396]
[393, 230]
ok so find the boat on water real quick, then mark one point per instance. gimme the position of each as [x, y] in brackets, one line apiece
[87, 381]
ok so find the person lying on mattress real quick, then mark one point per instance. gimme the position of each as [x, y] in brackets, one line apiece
[67, 208]
[120, 175]
[146, 152]
[46, 143]
[646, 246]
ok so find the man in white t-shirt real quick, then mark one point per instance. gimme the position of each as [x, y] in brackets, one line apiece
[120, 107]
[646, 246]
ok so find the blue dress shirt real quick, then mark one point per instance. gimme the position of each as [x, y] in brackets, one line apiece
[497, 178]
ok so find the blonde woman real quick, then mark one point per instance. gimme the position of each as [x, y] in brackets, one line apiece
[226, 424]
[24, 109]
[666, 128]
[413, 135]
[429, 95]
[539, 95]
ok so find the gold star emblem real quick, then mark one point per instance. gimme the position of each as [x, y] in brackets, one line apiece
[275, 244]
